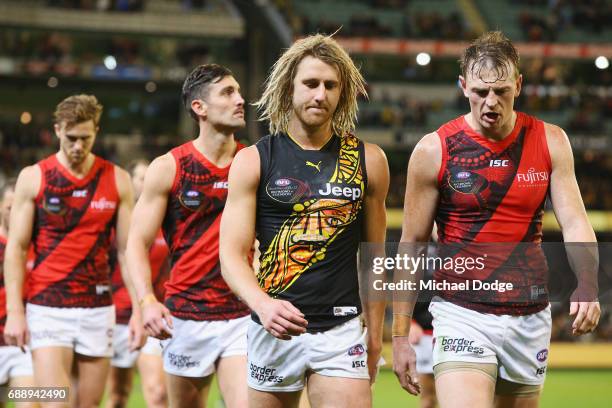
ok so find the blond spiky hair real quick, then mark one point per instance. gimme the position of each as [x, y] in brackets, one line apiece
[275, 104]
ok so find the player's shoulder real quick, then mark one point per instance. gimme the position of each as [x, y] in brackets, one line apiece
[29, 180]
[30, 171]
[247, 157]
[428, 146]
[377, 169]
[120, 172]
[246, 166]
[558, 143]
[555, 133]
[374, 153]
[122, 179]
[426, 157]
[165, 162]
[161, 172]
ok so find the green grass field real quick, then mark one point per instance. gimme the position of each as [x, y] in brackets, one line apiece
[563, 389]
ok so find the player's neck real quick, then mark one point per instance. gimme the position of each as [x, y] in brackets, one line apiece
[4, 230]
[79, 170]
[495, 135]
[218, 148]
[309, 138]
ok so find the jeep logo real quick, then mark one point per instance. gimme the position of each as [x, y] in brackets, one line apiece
[352, 193]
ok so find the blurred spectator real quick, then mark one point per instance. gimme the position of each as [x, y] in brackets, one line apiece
[367, 26]
[370, 24]
[100, 5]
[555, 16]
[194, 4]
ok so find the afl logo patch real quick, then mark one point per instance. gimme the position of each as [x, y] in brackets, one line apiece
[287, 190]
[191, 199]
[282, 182]
[542, 355]
[356, 350]
[467, 182]
[54, 205]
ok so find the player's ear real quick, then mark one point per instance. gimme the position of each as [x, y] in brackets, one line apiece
[463, 86]
[199, 107]
[519, 85]
[57, 128]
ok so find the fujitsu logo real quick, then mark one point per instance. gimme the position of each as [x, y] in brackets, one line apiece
[103, 204]
[532, 176]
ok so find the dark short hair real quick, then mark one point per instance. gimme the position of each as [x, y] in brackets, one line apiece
[492, 50]
[196, 83]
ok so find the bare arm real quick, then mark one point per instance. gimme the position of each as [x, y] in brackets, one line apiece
[571, 215]
[146, 221]
[375, 225]
[126, 203]
[20, 234]
[564, 191]
[280, 318]
[124, 212]
[420, 203]
[422, 194]
[238, 228]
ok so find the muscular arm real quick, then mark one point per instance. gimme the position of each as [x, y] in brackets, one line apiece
[420, 203]
[126, 203]
[124, 211]
[375, 225]
[147, 218]
[20, 234]
[564, 192]
[571, 215]
[280, 318]
[238, 228]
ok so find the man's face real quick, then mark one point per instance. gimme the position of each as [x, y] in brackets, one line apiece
[223, 105]
[6, 204]
[138, 176]
[316, 92]
[491, 97]
[77, 141]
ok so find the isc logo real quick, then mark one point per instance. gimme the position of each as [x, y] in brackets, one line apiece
[359, 363]
[498, 163]
[221, 184]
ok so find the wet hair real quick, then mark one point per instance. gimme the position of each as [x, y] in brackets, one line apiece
[197, 82]
[135, 163]
[493, 52]
[275, 104]
[77, 109]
